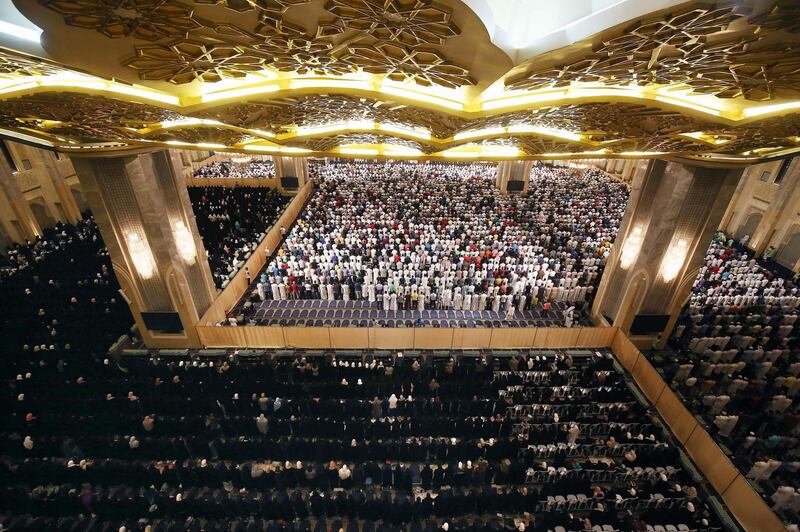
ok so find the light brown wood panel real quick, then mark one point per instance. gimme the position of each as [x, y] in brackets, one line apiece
[264, 336]
[648, 379]
[624, 350]
[221, 336]
[680, 420]
[402, 338]
[716, 467]
[560, 337]
[593, 337]
[349, 337]
[430, 338]
[307, 337]
[513, 338]
[471, 338]
[750, 509]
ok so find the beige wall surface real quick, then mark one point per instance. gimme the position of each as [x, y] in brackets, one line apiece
[775, 207]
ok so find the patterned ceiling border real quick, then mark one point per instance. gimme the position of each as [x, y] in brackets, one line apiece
[728, 52]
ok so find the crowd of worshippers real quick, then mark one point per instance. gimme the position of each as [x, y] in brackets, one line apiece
[738, 364]
[439, 236]
[59, 293]
[249, 169]
[232, 221]
[366, 442]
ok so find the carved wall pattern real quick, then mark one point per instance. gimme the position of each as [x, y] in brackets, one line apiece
[754, 63]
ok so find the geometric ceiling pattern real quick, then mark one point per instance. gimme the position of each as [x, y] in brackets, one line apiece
[403, 78]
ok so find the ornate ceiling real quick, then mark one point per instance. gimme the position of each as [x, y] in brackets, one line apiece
[403, 78]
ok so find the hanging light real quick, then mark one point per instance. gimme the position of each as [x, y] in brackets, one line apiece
[141, 256]
[673, 259]
[631, 247]
[184, 241]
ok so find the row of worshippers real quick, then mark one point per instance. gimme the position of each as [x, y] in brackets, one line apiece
[738, 365]
[174, 454]
[440, 236]
[232, 221]
[234, 169]
[62, 292]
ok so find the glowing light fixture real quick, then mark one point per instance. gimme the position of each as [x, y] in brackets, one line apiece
[631, 247]
[641, 153]
[765, 109]
[141, 255]
[486, 132]
[184, 242]
[407, 131]
[238, 93]
[357, 151]
[673, 259]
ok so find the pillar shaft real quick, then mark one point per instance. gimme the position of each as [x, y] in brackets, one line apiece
[513, 171]
[19, 220]
[673, 212]
[144, 214]
[290, 167]
[54, 181]
[763, 235]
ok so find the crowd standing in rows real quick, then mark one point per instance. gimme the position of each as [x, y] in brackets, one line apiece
[363, 443]
[232, 221]
[59, 292]
[247, 169]
[738, 365]
[433, 235]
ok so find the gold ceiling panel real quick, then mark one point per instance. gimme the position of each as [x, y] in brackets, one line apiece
[281, 114]
[658, 144]
[149, 20]
[201, 134]
[325, 144]
[185, 61]
[412, 73]
[269, 6]
[715, 49]
[87, 132]
[538, 146]
[425, 66]
[212, 40]
[18, 64]
[75, 108]
[411, 23]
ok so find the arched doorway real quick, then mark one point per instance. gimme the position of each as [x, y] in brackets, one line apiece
[5, 241]
[749, 226]
[80, 200]
[789, 252]
[632, 301]
[41, 214]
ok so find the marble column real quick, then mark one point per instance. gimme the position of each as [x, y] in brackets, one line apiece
[673, 212]
[54, 181]
[513, 171]
[18, 220]
[142, 208]
[777, 210]
[286, 167]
